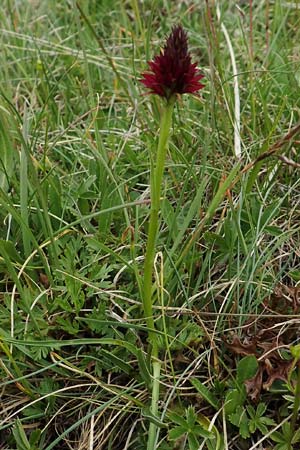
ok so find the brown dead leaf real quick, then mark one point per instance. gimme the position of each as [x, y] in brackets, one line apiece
[270, 349]
[254, 384]
[271, 366]
[277, 371]
[265, 335]
[239, 348]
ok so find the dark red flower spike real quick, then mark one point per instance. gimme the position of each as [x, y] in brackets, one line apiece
[172, 71]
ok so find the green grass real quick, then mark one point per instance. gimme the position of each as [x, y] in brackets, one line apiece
[77, 136]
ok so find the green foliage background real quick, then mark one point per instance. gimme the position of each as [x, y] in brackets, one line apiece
[77, 136]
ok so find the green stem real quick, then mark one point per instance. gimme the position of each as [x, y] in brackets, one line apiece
[155, 186]
[156, 181]
[153, 428]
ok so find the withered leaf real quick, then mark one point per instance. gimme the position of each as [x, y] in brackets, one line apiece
[254, 384]
[236, 346]
[278, 371]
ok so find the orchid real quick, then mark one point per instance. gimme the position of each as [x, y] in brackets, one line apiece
[172, 71]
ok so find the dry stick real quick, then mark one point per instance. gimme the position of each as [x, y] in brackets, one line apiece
[288, 161]
[271, 151]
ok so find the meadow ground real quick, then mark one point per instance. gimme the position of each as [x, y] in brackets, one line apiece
[78, 138]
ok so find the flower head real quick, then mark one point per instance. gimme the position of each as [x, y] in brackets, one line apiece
[172, 71]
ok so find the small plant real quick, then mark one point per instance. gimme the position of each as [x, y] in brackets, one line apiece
[286, 438]
[21, 440]
[251, 419]
[189, 427]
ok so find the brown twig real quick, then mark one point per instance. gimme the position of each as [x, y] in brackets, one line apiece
[274, 148]
[288, 161]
